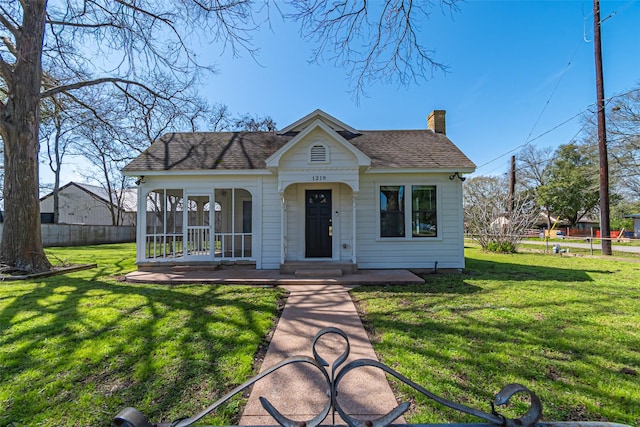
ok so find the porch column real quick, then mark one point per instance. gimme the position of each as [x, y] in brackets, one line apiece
[354, 196]
[141, 224]
[283, 228]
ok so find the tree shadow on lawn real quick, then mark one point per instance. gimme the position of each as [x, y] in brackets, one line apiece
[512, 271]
[477, 270]
[161, 349]
[469, 365]
[567, 360]
[537, 325]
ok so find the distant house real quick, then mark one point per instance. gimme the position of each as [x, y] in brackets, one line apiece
[90, 205]
[316, 191]
[584, 227]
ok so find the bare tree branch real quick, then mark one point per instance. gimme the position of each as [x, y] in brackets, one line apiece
[386, 49]
[4, 20]
[6, 71]
[78, 85]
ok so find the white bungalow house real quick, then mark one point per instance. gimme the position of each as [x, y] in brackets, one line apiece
[317, 191]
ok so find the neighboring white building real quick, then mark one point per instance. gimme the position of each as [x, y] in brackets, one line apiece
[319, 190]
[89, 204]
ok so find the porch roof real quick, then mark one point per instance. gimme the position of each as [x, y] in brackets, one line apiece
[249, 150]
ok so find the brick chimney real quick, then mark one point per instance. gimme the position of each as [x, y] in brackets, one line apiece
[436, 122]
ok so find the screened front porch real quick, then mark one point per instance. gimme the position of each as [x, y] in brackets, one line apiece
[198, 225]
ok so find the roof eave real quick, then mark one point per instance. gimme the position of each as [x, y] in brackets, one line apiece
[194, 172]
[388, 170]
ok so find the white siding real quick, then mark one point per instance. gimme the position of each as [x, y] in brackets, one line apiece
[295, 230]
[271, 224]
[447, 249]
[372, 252]
[344, 218]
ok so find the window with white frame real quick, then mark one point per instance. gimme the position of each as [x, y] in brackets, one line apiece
[416, 211]
[392, 211]
[424, 215]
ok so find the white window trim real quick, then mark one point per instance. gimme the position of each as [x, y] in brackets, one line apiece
[408, 237]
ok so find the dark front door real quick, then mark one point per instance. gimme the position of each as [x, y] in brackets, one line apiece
[318, 229]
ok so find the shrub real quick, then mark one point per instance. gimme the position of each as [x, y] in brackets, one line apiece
[500, 246]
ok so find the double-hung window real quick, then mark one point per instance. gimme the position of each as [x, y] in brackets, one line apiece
[410, 216]
[424, 218]
[392, 211]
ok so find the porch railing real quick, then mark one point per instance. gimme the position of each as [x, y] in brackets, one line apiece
[131, 417]
[198, 242]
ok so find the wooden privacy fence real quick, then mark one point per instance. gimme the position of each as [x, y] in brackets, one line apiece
[81, 235]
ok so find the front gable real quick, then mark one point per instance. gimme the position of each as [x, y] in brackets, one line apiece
[318, 153]
[301, 124]
[299, 151]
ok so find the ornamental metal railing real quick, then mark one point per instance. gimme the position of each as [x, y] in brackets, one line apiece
[131, 417]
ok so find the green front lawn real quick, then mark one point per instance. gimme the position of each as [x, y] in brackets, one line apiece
[567, 328]
[78, 348]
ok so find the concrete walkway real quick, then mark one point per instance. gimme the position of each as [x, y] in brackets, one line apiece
[299, 391]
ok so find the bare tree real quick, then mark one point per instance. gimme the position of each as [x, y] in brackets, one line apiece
[373, 41]
[219, 118]
[145, 41]
[58, 134]
[624, 140]
[534, 172]
[250, 123]
[487, 214]
[142, 38]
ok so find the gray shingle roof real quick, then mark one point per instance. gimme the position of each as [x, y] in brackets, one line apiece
[249, 150]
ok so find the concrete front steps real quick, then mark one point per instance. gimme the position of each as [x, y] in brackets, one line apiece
[318, 269]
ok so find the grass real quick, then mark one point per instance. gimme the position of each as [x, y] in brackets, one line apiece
[566, 328]
[78, 348]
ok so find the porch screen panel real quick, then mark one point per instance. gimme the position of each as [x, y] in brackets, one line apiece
[233, 223]
[163, 234]
[198, 227]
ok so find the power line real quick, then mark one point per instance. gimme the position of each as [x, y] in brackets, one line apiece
[587, 109]
[536, 138]
[527, 141]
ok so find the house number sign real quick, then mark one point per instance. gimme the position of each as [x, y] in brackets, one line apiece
[318, 178]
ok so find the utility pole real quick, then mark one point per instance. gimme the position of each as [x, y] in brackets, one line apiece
[605, 232]
[512, 186]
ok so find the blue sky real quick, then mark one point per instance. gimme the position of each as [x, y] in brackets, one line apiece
[517, 69]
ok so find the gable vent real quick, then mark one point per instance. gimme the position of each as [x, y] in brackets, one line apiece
[318, 154]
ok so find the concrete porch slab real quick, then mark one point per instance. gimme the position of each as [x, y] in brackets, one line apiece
[273, 278]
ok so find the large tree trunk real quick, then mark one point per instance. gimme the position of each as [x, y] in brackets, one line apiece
[21, 237]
